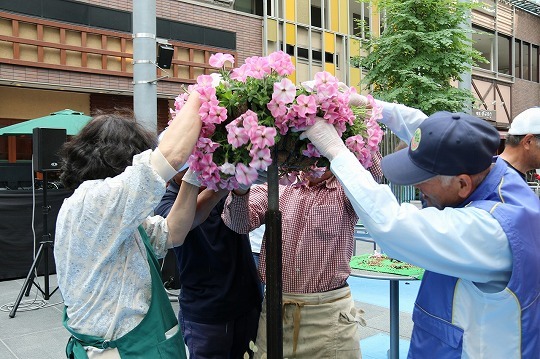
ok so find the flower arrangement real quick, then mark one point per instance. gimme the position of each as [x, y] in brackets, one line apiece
[248, 110]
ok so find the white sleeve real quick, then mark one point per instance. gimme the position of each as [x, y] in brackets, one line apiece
[462, 242]
[402, 120]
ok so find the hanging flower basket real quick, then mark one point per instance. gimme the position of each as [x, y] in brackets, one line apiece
[249, 111]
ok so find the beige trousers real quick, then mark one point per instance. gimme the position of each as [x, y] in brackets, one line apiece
[316, 325]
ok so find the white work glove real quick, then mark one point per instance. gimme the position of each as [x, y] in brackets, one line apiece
[325, 137]
[355, 99]
[191, 178]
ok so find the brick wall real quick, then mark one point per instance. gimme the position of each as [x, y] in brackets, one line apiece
[124, 104]
[527, 27]
[526, 94]
[248, 28]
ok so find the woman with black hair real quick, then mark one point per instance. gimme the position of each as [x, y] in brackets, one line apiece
[107, 240]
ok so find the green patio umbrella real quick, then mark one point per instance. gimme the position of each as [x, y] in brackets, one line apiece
[72, 121]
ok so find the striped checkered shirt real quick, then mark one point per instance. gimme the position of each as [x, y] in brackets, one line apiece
[317, 232]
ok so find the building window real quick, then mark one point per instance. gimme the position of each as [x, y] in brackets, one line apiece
[504, 56]
[316, 56]
[517, 58]
[360, 18]
[483, 40]
[534, 64]
[526, 48]
[316, 19]
[250, 6]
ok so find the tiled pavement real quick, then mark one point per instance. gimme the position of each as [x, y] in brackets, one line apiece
[39, 334]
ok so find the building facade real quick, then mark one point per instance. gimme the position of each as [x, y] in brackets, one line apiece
[59, 54]
[77, 54]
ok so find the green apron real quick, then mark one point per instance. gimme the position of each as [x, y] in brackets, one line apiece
[147, 339]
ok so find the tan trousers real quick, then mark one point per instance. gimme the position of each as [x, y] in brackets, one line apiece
[316, 325]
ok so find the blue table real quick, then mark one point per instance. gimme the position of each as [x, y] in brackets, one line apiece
[394, 279]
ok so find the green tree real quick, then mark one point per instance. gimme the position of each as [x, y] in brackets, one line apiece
[423, 47]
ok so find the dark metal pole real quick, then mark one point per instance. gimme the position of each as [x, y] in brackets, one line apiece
[274, 322]
[46, 236]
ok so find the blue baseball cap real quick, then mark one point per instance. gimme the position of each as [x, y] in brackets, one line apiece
[447, 144]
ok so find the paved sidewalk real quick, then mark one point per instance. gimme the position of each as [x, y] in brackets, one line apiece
[39, 334]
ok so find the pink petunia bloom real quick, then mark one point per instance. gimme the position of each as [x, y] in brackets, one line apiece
[284, 92]
[259, 66]
[241, 73]
[206, 145]
[229, 184]
[180, 100]
[210, 174]
[281, 124]
[311, 151]
[204, 110]
[261, 158]
[217, 114]
[324, 77]
[305, 105]
[204, 80]
[281, 63]
[237, 136]
[227, 168]
[288, 178]
[245, 175]
[277, 109]
[207, 93]
[219, 59]
[249, 120]
[262, 136]
[208, 129]
[355, 143]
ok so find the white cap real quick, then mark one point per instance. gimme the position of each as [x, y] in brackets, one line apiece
[526, 122]
[160, 137]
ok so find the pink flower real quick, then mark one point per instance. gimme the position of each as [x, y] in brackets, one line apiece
[288, 178]
[207, 93]
[277, 109]
[284, 91]
[305, 105]
[237, 136]
[205, 80]
[249, 120]
[281, 63]
[259, 66]
[206, 145]
[241, 73]
[311, 151]
[243, 110]
[262, 136]
[219, 59]
[227, 168]
[217, 114]
[355, 143]
[261, 158]
[323, 78]
[245, 175]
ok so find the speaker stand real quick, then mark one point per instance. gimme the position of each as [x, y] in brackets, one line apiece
[45, 246]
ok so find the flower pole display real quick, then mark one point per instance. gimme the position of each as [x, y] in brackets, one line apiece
[254, 108]
[252, 117]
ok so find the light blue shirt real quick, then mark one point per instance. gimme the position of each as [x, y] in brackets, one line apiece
[443, 241]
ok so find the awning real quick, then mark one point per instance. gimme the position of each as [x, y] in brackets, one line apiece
[70, 120]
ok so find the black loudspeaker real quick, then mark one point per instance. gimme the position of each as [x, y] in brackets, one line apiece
[164, 56]
[46, 143]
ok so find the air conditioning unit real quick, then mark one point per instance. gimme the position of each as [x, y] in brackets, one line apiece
[225, 3]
